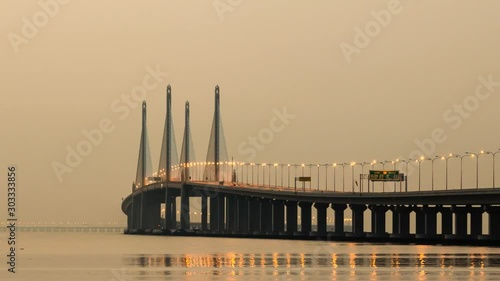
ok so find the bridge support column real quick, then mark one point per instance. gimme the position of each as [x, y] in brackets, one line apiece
[339, 218]
[395, 220]
[493, 221]
[358, 219]
[221, 206]
[129, 217]
[446, 221]
[231, 213]
[476, 221]
[254, 215]
[214, 213]
[185, 209]
[378, 220]
[291, 217]
[460, 220]
[242, 214]
[170, 218]
[305, 217]
[402, 214]
[136, 212]
[430, 215]
[151, 213]
[419, 221]
[321, 217]
[278, 216]
[266, 216]
[204, 212]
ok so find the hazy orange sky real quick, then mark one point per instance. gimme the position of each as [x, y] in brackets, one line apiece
[64, 75]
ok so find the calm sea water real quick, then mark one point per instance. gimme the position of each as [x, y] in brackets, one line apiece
[118, 257]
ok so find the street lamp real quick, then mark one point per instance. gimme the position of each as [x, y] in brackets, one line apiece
[275, 175]
[288, 175]
[432, 171]
[318, 175]
[383, 167]
[352, 173]
[493, 155]
[343, 175]
[422, 158]
[263, 174]
[363, 170]
[446, 174]
[334, 165]
[472, 155]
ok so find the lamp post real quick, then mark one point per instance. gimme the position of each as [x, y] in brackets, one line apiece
[432, 171]
[393, 167]
[446, 170]
[334, 181]
[472, 155]
[343, 176]
[352, 173]
[363, 170]
[318, 175]
[326, 177]
[253, 165]
[275, 175]
[288, 175]
[493, 156]
[263, 174]
[374, 162]
[422, 158]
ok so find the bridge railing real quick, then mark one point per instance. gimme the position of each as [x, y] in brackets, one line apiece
[451, 172]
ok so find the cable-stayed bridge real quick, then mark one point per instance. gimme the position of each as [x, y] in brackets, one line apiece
[433, 199]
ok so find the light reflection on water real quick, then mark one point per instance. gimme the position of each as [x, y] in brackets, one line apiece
[352, 266]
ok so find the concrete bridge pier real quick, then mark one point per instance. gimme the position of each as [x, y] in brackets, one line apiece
[357, 220]
[419, 221]
[242, 205]
[266, 216]
[339, 219]
[401, 214]
[204, 213]
[214, 214]
[254, 215]
[278, 216]
[476, 221]
[170, 212]
[378, 220]
[136, 213]
[185, 208]
[446, 220]
[231, 213]
[321, 218]
[493, 221]
[291, 217]
[430, 222]
[221, 200]
[151, 216]
[460, 222]
[305, 217]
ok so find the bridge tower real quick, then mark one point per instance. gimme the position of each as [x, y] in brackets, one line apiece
[217, 152]
[144, 171]
[187, 158]
[169, 160]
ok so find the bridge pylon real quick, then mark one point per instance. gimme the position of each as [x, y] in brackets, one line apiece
[144, 170]
[187, 158]
[217, 157]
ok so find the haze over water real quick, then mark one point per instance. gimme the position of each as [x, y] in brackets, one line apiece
[118, 257]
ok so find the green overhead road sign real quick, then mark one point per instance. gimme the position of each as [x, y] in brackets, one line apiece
[384, 175]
